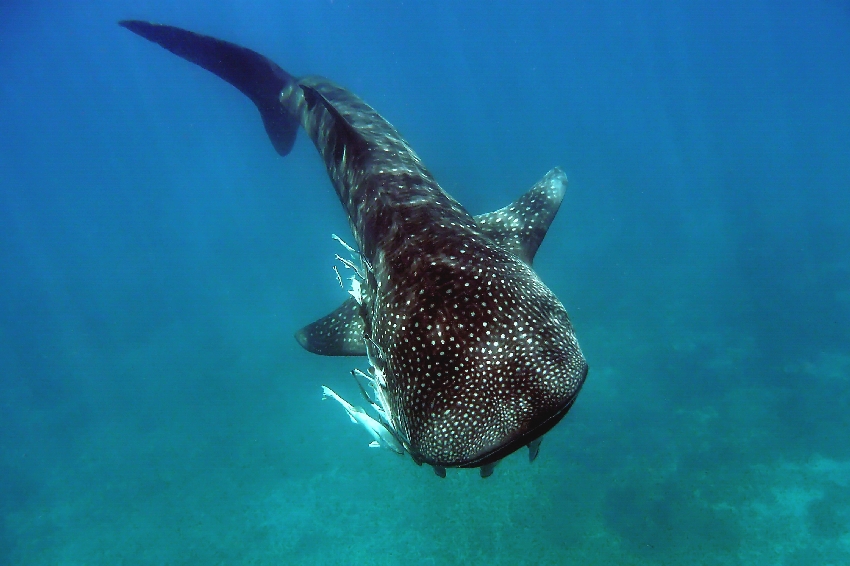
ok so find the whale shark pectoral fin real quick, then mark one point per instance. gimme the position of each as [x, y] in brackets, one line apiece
[522, 225]
[256, 76]
[337, 334]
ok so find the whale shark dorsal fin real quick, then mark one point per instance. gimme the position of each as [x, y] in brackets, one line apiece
[338, 334]
[256, 76]
[522, 225]
[343, 140]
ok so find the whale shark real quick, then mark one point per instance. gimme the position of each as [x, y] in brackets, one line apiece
[469, 355]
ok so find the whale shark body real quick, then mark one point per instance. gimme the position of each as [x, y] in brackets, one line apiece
[471, 356]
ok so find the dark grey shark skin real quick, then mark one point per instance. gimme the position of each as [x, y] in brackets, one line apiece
[479, 356]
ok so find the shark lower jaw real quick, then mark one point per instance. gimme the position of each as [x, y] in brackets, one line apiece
[492, 455]
[526, 438]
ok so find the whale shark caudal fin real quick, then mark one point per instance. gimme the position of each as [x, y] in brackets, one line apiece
[522, 225]
[259, 78]
[337, 334]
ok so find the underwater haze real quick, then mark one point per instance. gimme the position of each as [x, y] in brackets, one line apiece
[157, 255]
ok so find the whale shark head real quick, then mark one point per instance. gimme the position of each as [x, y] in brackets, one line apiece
[479, 357]
[483, 355]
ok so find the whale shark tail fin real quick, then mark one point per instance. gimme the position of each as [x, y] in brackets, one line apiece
[256, 76]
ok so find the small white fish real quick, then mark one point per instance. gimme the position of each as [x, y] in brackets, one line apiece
[381, 435]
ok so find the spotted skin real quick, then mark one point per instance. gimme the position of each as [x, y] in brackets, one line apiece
[476, 356]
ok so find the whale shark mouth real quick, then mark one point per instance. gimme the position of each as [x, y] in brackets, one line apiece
[530, 438]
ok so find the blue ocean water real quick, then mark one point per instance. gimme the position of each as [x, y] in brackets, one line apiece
[156, 256]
